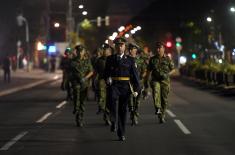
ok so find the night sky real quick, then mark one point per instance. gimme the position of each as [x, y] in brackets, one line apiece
[159, 16]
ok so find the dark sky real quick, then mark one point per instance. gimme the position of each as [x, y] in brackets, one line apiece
[154, 15]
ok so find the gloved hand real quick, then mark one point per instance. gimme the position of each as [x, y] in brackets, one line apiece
[109, 81]
[83, 80]
[135, 94]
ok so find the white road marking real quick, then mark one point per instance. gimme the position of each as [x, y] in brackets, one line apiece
[61, 104]
[13, 141]
[43, 118]
[170, 113]
[55, 82]
[13, 90]
[182, 127]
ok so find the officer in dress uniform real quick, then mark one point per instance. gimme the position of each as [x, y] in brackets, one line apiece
[120, 74]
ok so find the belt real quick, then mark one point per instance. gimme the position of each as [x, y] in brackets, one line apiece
[121, 78]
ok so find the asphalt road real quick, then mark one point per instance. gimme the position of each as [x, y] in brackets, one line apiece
[38, 121]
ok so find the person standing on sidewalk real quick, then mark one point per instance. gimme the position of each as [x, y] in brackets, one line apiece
[6, 66]
[160, 66]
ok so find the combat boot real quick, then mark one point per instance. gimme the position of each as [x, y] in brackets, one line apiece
[158, 111]
[113, 127]
[161, 119]
[79, 120]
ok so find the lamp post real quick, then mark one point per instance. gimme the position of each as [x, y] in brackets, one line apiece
[20, 20]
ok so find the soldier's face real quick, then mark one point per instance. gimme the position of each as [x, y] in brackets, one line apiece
[161, 51]
[120, 48]
[107, 52]
[82, 53]
[133, 52]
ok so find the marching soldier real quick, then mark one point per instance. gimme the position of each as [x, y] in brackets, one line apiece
[102, 93]
[160, 66]
[141, 68]
[120, 72]
[82, 71]
[65, 66]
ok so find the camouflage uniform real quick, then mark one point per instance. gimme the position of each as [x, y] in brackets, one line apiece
[65, 66]
[80, 68]
[100, 67]
[160, 83]
[135, 101]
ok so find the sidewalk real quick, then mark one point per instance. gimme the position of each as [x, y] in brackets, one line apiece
[22, 79]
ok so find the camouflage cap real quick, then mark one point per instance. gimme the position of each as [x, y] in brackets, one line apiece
[159, 44]
[119, 40]
[67, 50]
[79, 48]
[133, 46]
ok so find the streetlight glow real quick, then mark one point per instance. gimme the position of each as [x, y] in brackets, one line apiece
[84, 13]
[121, 28]
[232, 9]
[56, 25]
[81, 6]
[132, 31]
[138, 27]
[209, 19]
[127, 35]
[115, 34]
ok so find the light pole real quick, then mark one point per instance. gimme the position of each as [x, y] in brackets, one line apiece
[20, 20]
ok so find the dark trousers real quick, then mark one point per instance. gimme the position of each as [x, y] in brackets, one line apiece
[7, 76]
[118, 98]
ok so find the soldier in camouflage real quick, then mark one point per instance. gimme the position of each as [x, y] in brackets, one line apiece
[102, 93]
[160, 66]
[65, 66]
[141, 69]
[82, 71]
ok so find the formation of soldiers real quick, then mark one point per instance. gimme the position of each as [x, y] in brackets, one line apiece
[121, 77]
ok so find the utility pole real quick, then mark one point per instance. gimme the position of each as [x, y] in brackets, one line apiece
[70, 21]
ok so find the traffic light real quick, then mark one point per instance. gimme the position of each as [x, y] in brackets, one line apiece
[178, 44]
[106, 19]
[99, 21]
[194, 56]
[168, 44]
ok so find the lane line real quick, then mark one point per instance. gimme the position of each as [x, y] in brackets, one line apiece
[20, 88]
[182, 127]
[61, 104]
[170, 113]
[13, 141]
[55, 83]
[43, 118]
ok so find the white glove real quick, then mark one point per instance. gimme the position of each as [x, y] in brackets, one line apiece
[135, 94]
[109, 81]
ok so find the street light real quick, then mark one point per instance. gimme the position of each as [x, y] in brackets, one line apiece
[209, 19]
[127, 35]
[232, 9]
[121, 28]
[84, 13]
[20, 20]
[81, 6]
[56, 25]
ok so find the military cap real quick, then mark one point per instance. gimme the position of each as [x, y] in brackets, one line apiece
[119, 40]
[79, 48]
[132, 46]
[159, 44]
[67, 50]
